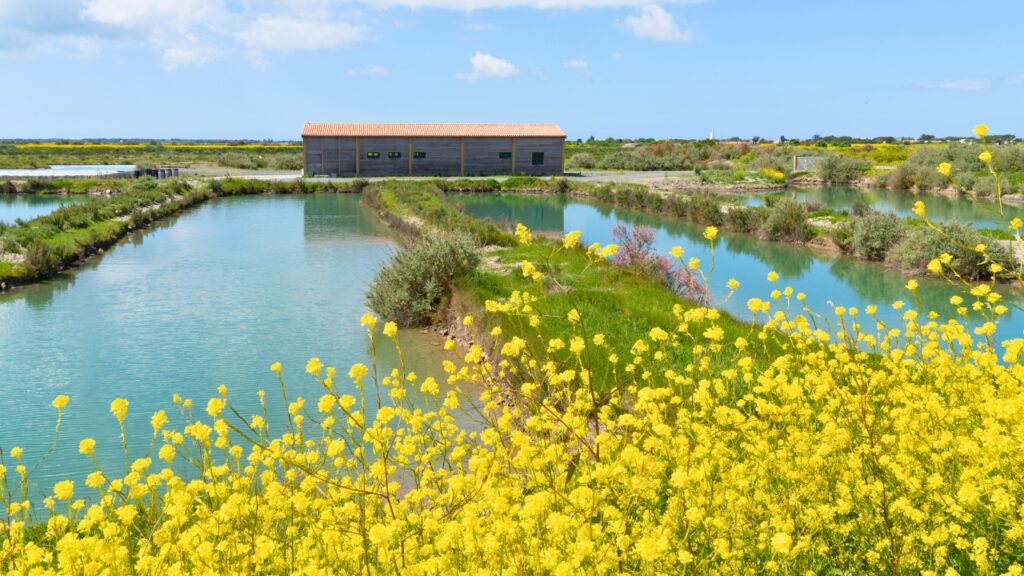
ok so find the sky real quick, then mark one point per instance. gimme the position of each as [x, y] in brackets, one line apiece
[256, 69]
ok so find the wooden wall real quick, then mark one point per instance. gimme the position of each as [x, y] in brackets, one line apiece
[444, 156]
[552, 149]
[483, 156]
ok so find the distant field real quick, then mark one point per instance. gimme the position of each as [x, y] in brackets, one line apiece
[254, 155]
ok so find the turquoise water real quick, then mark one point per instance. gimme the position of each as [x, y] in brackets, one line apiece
[980, 213]
[827, 280]
[29, 206]
[212, 296]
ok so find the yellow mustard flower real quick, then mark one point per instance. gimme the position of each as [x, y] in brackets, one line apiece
[87, 446]
[571, 239]
[61, 402]
[119, 408]
[314, 366]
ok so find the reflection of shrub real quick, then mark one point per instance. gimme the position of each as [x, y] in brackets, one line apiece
[787, 220]
[411, 288]
[875, 234]
[922, 244]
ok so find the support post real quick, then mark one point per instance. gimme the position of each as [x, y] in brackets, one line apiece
[410, 156]
[462, 156]
[357, 156]
[513, 172]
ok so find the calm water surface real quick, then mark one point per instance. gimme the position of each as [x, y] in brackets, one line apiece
[211, 297]
[29, 206]
[826, 280]
[980, 213]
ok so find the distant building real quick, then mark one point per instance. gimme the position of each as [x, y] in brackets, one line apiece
[347, 150]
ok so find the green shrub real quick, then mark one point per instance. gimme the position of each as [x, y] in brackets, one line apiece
[787, 220]
[584, 160]
[923, 243]
[875, 234]
[841, 169]
[40, 259]
[705, 208]
[842, 235]
[411, 288]
[986, 186]
[746, 218]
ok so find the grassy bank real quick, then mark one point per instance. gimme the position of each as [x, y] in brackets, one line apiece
[620, 304]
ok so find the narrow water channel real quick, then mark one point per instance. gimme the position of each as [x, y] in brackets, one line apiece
[210, 297]
[980, 213]
[826, 280]
[29, 206]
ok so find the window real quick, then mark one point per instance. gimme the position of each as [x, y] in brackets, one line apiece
[505, 155]
[373, 155]
[419, 155]
[538, 158]
[394, 155]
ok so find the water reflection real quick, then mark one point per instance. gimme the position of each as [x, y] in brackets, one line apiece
[210, 297]
[29, 206]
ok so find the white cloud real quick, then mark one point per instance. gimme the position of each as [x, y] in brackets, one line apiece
[473, 5]
[964, 84]
[46, 26]
[175, 14]
[580, 65]
[187, 31]
[286, 34]
[488, 66]
[657, 24]
[196, 31]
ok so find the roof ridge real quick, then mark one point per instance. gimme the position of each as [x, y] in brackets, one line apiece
[434, 129]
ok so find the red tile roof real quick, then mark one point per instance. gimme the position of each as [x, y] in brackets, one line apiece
[435, 130]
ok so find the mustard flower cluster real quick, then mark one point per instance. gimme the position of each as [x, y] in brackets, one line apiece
[871, 448]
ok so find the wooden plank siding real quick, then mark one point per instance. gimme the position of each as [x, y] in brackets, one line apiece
[552, 149]
[442, 157]
[471, 156]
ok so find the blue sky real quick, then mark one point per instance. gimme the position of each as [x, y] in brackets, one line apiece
[622, 68]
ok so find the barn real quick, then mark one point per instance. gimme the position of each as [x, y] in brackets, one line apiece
[368, 150]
